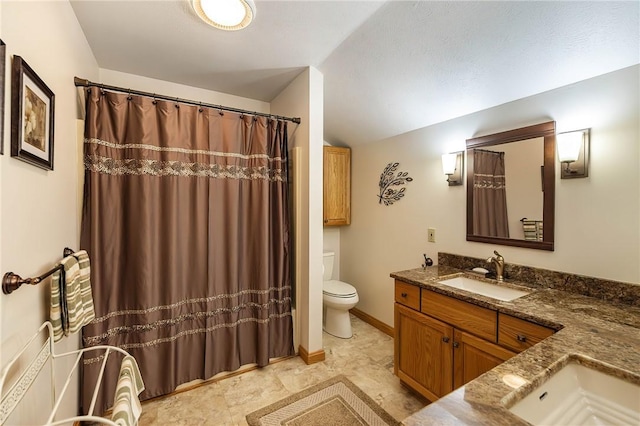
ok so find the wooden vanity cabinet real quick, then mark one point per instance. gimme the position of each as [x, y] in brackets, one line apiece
[336, 174]
[442, 343]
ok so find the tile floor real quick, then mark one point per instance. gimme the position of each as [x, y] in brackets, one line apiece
[366, 359]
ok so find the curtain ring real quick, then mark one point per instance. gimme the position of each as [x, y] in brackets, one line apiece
[177, 104]
[154, 101]
[200, 107]
[220, 112]
[129, 97]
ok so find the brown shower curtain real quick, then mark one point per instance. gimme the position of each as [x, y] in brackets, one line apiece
[489, 195]
[186, 222]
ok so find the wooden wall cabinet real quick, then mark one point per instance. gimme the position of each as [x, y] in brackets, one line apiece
[442, 343]
[337, 186]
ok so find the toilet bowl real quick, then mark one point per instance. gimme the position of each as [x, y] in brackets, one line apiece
[337, 298]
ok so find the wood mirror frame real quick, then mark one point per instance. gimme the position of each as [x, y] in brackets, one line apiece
[548, 132]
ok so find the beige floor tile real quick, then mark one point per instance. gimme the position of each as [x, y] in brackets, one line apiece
[366, 359]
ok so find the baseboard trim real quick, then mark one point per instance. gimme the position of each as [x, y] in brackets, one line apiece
[373, 322]
[311, 358]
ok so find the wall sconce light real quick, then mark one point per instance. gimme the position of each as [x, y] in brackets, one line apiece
[573, 153]
[452, 166]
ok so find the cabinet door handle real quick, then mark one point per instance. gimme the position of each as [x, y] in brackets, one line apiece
[521, 338]
[326, 221]
[403, 294]
[456, 344]
[445, 339]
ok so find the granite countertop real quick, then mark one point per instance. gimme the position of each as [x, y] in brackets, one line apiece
[592, 329]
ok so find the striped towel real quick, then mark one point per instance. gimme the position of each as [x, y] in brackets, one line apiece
[126, 404]
[532, 229]
[71, 298]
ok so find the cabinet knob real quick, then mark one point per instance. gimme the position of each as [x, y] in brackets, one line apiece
[445, 339]
[326, 221]
[456, 344]
[403, 294]
[521, 338]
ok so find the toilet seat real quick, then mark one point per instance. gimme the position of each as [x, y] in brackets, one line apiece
[338, 289]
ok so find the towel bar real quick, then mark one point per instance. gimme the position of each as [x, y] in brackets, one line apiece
[12, 282]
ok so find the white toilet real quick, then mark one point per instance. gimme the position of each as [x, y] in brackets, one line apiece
[337, 298]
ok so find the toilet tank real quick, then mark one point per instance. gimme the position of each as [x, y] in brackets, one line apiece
[327, 265]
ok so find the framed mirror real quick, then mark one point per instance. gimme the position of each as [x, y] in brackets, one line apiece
[511, 187]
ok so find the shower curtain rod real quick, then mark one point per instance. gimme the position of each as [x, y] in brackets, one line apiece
[86, 83]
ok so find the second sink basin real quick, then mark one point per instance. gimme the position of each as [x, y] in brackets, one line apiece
[485, 289]
[579, 395]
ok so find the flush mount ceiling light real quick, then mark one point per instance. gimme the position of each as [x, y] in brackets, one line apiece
[229, 15]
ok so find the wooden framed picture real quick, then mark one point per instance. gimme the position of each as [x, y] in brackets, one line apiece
[32, 116]
[2, 69]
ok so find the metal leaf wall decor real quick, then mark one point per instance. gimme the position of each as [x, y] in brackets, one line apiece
[388, 179]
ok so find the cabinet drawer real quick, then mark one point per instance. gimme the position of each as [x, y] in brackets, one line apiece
[466, 316]
[408, 295]
[518, 334]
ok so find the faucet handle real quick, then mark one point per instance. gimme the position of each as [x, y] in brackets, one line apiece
[498, 255]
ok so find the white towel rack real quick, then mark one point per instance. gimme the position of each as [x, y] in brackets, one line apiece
[12, 397]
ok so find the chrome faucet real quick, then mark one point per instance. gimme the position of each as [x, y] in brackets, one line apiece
[498, 260]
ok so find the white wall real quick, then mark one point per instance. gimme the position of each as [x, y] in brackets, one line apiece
[597, 218]
[304, 98]
[3, 140]
[152, 85]
[331, 243]
[39, 212]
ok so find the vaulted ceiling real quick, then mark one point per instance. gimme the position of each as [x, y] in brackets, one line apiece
[389, 67]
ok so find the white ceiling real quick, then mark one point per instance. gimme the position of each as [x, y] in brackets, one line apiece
[389, 67]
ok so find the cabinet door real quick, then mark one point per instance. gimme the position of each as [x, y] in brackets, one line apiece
[337, 186]
[473, 356]
[423, 352]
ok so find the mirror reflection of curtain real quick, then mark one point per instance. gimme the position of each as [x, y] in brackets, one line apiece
[186, 222]
[489, 194]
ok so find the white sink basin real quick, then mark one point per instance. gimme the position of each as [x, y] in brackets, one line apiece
[579, 395]
[483, 288]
